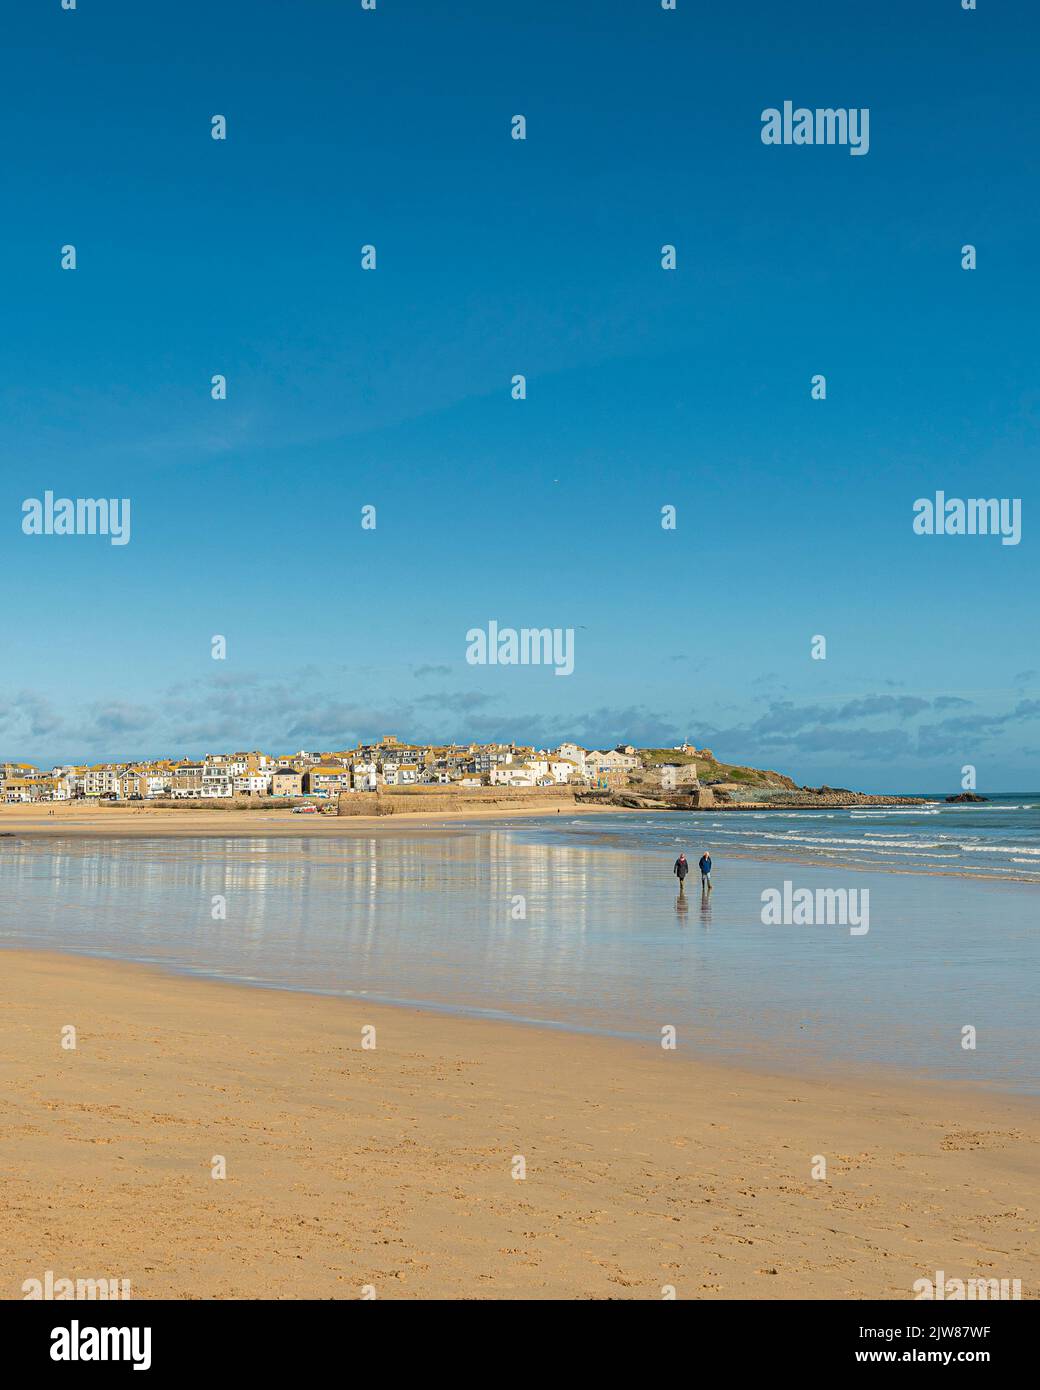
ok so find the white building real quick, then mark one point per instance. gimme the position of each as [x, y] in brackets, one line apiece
[217, 783]
[563, 770]
[365, 777]
[574, 753]
[102, 781]
[515, 775]
[252, 784]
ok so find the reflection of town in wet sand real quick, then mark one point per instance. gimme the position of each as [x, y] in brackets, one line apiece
[520, 921]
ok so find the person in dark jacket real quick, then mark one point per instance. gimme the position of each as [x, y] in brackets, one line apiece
[705, 867]
[681, 869]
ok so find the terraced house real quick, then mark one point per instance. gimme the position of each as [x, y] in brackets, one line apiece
[286, 781]
[388, 763]
[326, 780]
[18, 789]
[17, 770]
[187, 779]
[103, 780]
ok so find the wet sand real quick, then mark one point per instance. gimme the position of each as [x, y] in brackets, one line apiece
[393, 1167]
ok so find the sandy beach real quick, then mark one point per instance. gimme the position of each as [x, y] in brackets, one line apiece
[393, 1167]
[85, 818]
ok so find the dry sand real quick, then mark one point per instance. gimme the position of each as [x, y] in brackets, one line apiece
[85, 818]
[393, 1167]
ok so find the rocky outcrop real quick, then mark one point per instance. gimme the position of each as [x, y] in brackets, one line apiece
[834, 796]
[967, 796]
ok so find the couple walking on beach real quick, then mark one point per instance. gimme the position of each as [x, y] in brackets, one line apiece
[682, 868]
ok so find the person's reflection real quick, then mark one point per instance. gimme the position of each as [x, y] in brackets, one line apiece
[705, 907]
[682, 906]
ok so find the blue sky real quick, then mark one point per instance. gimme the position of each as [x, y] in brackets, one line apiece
[645, 387]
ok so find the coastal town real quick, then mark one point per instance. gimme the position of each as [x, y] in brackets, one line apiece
[392, 775]
[323, 776]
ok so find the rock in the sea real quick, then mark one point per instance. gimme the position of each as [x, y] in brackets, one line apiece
[967, 796]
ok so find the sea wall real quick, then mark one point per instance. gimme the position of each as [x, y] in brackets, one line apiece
[389, 801]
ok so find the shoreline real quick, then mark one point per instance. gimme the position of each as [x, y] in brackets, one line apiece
[764, 1059]
[75, 818]
[17, 823]
[393, 1166]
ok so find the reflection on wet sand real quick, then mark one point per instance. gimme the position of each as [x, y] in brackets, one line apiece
[497, 921]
